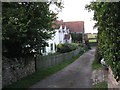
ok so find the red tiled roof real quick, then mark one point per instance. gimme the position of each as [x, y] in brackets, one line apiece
[67, 37]
[75, 26]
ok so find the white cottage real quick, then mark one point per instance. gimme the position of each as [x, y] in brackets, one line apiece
[61, 36]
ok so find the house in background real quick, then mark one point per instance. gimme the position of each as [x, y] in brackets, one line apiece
[76, 27]
[61, 36]
[64, 36]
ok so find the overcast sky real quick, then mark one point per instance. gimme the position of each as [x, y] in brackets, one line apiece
[74, 10]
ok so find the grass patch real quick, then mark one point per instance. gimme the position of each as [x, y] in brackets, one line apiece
[103, 85]
[92, 40]
[39, 75]
[96, 65]
[92, 35]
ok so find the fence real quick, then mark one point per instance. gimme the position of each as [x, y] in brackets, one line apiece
[51, 60]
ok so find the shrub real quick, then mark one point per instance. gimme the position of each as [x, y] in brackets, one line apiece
[74, 46]
[81, 44]
[63, 48]
[98, 56]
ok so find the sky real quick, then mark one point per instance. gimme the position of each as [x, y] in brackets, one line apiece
[74, 10]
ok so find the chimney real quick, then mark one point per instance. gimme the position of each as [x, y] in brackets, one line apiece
[61, 22]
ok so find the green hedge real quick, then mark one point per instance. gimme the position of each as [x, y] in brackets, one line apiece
[107, 16]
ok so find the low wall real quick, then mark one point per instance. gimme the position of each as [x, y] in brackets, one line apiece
[112, 83]
[51, 60]
[13, 70]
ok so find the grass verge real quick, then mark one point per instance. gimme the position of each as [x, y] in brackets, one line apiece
[103, 85]
[39, 75]
[96, 65]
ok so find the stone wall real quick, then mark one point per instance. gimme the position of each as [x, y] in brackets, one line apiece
[13, 70]
[112, 83]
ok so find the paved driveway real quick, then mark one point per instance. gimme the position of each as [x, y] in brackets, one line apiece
[76, 75]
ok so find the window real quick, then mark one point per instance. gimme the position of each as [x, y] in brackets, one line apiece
[51, 46]
[55, 47]
[44, 49]
[59, 31]
[48, 45]
[66, 41]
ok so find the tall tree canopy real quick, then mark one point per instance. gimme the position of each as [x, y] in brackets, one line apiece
[107, 15]
[26, 26]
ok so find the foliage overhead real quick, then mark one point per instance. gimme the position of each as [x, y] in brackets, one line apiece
[107, 15]
[26, 27]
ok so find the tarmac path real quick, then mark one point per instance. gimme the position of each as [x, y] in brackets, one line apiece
[76, 75]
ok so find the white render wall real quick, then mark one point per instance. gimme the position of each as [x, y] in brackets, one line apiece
[54, 40]
[57, 39]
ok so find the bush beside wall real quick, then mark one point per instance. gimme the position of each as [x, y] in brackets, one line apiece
[63, 48]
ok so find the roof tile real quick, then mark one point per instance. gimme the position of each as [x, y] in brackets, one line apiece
[73, 26]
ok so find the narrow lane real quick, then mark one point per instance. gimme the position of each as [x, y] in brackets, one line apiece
[76, 75]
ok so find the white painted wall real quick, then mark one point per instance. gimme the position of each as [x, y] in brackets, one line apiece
[57, 39]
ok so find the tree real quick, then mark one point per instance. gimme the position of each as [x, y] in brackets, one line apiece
[26, 27]
[107, 16]
[76, 37]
